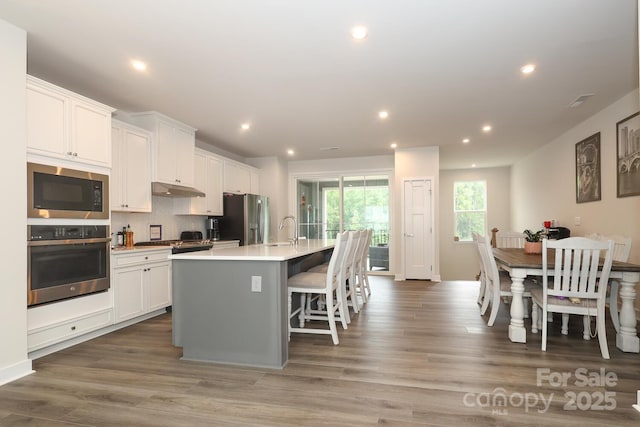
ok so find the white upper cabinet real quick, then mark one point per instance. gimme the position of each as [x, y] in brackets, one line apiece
[237, 177]
[130, 183]
[208, 178]
[62, 124]
[173, 148]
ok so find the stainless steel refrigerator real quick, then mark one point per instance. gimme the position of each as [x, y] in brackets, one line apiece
[246, 218]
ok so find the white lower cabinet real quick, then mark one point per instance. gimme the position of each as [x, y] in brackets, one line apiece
[141, 282]
[45, 336]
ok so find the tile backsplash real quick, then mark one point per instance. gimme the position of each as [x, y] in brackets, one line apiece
[162, 214]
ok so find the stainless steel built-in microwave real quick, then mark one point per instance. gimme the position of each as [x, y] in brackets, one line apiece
[55, 192]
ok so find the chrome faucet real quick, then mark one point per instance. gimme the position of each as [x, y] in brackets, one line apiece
[294, 241]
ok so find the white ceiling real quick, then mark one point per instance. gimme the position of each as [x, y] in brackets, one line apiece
[442, 68]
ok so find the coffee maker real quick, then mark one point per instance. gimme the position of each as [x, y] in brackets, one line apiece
[213, 230]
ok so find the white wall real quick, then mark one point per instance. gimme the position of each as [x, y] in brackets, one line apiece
[274, 184]
[14, 362]
[458, 260]
[543, 184]
[415, 163]
[347, 165]
[162, 214]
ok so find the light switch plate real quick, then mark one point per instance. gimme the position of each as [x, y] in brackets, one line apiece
[576, 220]
[256, 283]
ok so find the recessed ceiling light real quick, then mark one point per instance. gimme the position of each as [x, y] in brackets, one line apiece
[138, 65]
[473, 165]
[528, 69]
[466, 141]
[383, 114]
[290, 152]
[245, 126]
[393, 145]
[486, 128]
[359, 32]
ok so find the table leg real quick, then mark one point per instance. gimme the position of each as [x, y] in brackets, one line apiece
[517, 331]
[627, 338]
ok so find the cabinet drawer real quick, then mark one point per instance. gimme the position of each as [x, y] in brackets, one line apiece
[121, 260]
[49, 335]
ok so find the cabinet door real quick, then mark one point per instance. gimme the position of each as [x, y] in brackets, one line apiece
[237, 179]
[128, 285]
[47, 129]
[198, 205]
[90, 134]
[137, 182]
[158, 283]
[118, 176]
[183, 160]
[214, 186]
[165, 154]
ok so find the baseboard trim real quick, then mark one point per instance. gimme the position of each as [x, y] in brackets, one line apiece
[15, 371]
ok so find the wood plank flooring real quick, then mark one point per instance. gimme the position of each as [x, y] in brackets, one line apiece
[418, 354]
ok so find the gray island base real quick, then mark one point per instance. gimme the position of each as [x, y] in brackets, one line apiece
[230, 305]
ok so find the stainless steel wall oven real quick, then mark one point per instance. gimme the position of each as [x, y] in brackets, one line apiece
[66, 261]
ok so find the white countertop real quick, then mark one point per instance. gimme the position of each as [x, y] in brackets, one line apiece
[277, 251]
[122, 250]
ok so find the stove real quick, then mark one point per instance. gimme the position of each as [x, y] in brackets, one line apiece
[190, 241]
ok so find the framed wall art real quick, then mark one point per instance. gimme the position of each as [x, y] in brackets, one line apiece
[155, 232]
[588, 169]
[628, 156]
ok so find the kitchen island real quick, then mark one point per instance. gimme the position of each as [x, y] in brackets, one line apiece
[230, 305]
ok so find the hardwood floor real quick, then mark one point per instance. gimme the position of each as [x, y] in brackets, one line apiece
[419, 353]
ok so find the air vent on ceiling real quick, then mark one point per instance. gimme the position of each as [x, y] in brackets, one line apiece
[329, 148]
[579, 100]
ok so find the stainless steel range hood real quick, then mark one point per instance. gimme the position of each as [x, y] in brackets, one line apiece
[172, 190]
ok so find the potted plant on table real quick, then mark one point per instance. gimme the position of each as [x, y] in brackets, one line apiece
[533, 241]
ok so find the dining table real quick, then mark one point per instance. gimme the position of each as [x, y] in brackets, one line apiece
[521, 265]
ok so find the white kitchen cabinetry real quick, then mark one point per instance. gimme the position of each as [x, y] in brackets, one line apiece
[173, 146]
[237, 177]
[130, 183]
[72, 320]
[208, 178]
[62, 124]
[49, 335]
[141, 282]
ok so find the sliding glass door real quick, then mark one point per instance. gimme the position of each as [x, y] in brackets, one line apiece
[328, 205]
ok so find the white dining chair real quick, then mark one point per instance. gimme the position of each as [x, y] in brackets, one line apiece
[509, 239]
[621, 251]
[482, 278]
[349, 286]
[364, 289]
[574, 287]
[328, 284]
[498, 282]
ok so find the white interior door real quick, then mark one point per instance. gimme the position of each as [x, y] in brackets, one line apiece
[418, 230]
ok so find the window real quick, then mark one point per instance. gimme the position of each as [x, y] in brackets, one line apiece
[335, 203]
[469, 209]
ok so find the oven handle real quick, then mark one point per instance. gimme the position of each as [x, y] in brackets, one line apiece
[67, 241]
